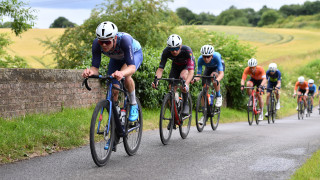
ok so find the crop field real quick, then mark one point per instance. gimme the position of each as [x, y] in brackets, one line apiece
[289, 48]
[28, 46]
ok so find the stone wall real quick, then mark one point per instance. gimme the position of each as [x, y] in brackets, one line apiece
[27, 91]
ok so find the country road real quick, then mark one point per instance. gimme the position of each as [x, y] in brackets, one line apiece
[234, 151]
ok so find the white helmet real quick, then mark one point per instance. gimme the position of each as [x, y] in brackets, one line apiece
[106, 30]
[301, 79]
[252, 62]
[273, 67]
[311, 81]
[174, 40]
[207, 50]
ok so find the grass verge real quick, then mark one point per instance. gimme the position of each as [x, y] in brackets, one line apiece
[310, 170]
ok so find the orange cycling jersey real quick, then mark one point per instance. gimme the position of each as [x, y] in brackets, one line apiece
[302, 86]
[259, 74]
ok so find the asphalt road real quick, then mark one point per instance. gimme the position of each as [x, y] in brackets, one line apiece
[234, 151]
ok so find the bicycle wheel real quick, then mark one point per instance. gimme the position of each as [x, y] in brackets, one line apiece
[184, 127]
[133, 132]
[101, 132]
[274, 110]
[201, 111]
[214, 119]
[309, 107]
[257, 118]
[270, 109]
[250, 111]
[166, 121]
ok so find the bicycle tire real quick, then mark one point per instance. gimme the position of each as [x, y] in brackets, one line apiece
[270, 113]
[274, 110]
[184, 127]
[202, 109]
[250, 111]
[216, 118]
[132, 139]
[98, 141]
[166, 119]
[257, 117]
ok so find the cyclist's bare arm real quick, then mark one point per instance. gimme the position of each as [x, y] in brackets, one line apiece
[159, 75]
[220, 76]
[264, 82]
[278, 84]
[128, 71]
[89, 72]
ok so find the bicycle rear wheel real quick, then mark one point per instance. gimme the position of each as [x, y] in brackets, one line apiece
[250, 111]
[166, 119]
[133, 132]
[102, 132]
[184, 127]
[201, 111]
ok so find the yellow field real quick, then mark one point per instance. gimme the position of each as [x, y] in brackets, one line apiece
[289, 48]
[28, 46]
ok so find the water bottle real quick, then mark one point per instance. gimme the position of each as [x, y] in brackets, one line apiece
[176, 97]
[123, 116]
[212, 98]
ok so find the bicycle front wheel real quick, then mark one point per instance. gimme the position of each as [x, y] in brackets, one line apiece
[214, 119]
[102, 133]
[274, 111]
[201, 111]
[166, 119]
[133, 132]
[250, 111]
[270, 109]
[184, 127]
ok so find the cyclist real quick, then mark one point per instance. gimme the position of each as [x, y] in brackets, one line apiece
[258, 79]
[125, 58]
[182, 65]
[214, 66]
[312, 91]
[274, 80]
[303, 90]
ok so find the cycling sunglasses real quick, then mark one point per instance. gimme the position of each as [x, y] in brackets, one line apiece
[206, 56]
[174, 49]
[107, 42]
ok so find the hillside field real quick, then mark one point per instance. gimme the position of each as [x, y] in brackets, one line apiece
[28, 46]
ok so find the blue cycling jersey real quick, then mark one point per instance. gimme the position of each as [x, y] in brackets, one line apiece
[312, 88]
[274, 77]
[125, 48]
[215, 62]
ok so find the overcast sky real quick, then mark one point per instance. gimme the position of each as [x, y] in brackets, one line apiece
[79, 10]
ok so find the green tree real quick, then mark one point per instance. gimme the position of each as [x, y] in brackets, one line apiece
[269, 17]
[232, 16]
[186, 15]
[62, 22]
[131, 16]
[22, 21]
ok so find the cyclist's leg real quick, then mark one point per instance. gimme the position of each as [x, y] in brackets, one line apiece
[184, 74]
[259, 97]
[249, 84]
[130, 85]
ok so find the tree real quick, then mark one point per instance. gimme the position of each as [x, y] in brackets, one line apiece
[22, 21]
[62, 22]
[232, 16]
[22, 17]
[186, 15]
[269, 17]
[146, 20]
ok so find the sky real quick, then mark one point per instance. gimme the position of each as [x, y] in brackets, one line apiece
[77, 11]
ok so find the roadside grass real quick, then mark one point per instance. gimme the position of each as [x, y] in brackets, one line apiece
[310, 170]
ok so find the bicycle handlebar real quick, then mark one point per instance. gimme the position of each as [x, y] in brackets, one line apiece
[85, 81]
[182, 81]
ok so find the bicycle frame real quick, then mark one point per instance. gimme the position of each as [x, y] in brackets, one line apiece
[176, 116]
[254, 93]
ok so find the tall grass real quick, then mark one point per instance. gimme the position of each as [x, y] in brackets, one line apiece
[310, 170]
